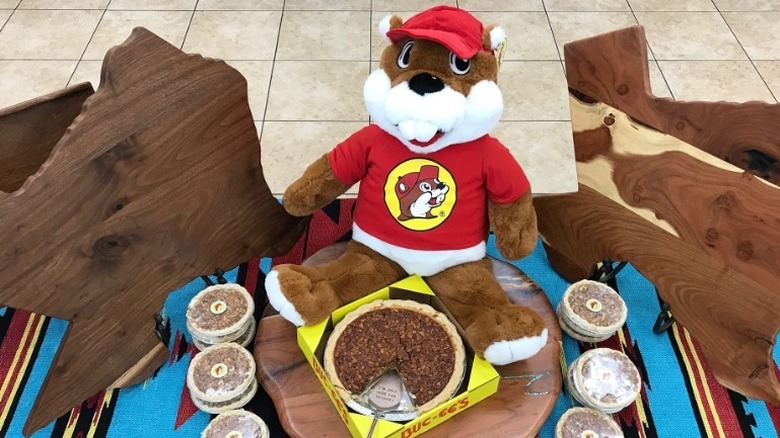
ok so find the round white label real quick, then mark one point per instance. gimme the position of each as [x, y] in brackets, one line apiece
[219, 370]
[593, 305]
[218, 307]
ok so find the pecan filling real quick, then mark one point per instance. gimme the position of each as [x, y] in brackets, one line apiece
[233, 373]
[234, 308]
[414, 344]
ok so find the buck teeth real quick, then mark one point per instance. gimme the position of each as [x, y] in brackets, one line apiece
[417, 130]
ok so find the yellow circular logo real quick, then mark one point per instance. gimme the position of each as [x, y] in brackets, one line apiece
[420, 194]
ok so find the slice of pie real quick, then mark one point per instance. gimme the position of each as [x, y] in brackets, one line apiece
[420, 343]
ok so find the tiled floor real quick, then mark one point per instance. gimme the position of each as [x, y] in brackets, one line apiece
[306, 60]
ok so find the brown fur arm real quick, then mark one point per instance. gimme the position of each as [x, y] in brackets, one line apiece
[316, 188]
[514, 225]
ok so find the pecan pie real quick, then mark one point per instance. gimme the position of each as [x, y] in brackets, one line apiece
[415, 340]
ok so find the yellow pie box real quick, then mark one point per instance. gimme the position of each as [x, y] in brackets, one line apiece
[481, 379]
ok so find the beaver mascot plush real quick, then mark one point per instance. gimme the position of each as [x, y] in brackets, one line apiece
[432, 184]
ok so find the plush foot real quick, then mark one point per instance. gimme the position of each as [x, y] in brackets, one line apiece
[507, 334]
[297, 298]
[505, 352]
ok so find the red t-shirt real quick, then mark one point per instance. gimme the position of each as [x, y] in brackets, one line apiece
[435, 201]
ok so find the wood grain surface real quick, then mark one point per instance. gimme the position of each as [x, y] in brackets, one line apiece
[518, 409]
[158, 180]
[612, 68]
[659, 186]
[29, 131]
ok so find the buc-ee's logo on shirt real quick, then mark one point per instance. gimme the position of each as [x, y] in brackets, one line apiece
[420, 194]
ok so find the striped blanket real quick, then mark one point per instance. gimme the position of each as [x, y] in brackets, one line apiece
[680, 398]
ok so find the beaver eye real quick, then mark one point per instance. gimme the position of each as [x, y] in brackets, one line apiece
[425, 187]
[406, 52]
[459, 66]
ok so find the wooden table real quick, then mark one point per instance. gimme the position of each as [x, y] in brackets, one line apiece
[518, 409]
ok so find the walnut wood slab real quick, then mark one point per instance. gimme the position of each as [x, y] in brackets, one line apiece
[673, 201]
[29, 131]
[518, 409]
[156, 181]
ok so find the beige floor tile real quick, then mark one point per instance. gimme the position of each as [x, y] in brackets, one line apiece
[733, 81]
[244, 5]
[690, 36]
[759, 32]
[589, 5]
[47, 34]
[501, 5]
[325, 35]
[87, 71]
[546, 152]
[572, 26]
[534, 91]
[324, 5]
[770, 71]
[528, 34]
[409, 5]
[300, 90]
[289, 147]
[153, 4]
[748, 5]
[24, 80]
[4, 14]
[258, 77]
[234, 34]
[666, 5]
[63, 4]
[8, 4]
[116, 27]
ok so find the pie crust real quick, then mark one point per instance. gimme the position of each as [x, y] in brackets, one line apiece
[221, 378]
[220, 313]
[586, 423]
[236, 423]
[458, 351]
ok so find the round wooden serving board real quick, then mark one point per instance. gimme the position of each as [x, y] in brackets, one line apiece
[518, 409]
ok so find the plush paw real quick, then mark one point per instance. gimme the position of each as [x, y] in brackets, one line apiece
[300, 295]
[507, 334]
[279, 301]
[506, 352]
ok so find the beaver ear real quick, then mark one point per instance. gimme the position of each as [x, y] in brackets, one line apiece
[492, 37]
[388, 23]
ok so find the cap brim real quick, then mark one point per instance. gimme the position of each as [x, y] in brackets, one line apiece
[444, 38]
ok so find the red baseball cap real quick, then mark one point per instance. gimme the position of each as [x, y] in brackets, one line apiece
[452, 27]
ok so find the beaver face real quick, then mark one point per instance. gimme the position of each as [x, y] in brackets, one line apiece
[428, 98]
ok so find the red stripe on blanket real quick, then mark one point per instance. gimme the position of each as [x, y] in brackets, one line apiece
[774, 411]
[12, 371]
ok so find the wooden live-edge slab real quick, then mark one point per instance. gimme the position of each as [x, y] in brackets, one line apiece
[157, 180]
[685, 191]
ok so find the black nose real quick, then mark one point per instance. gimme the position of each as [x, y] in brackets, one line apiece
[425, 83]
[440, 185]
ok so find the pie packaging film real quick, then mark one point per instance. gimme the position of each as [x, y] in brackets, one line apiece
[480, 382]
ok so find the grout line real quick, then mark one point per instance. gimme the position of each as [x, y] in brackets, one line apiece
[655, 60]
[94, 31]
[557, 48]
[271, 78]
[746, 52]
[7, 20]
[187, 32]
